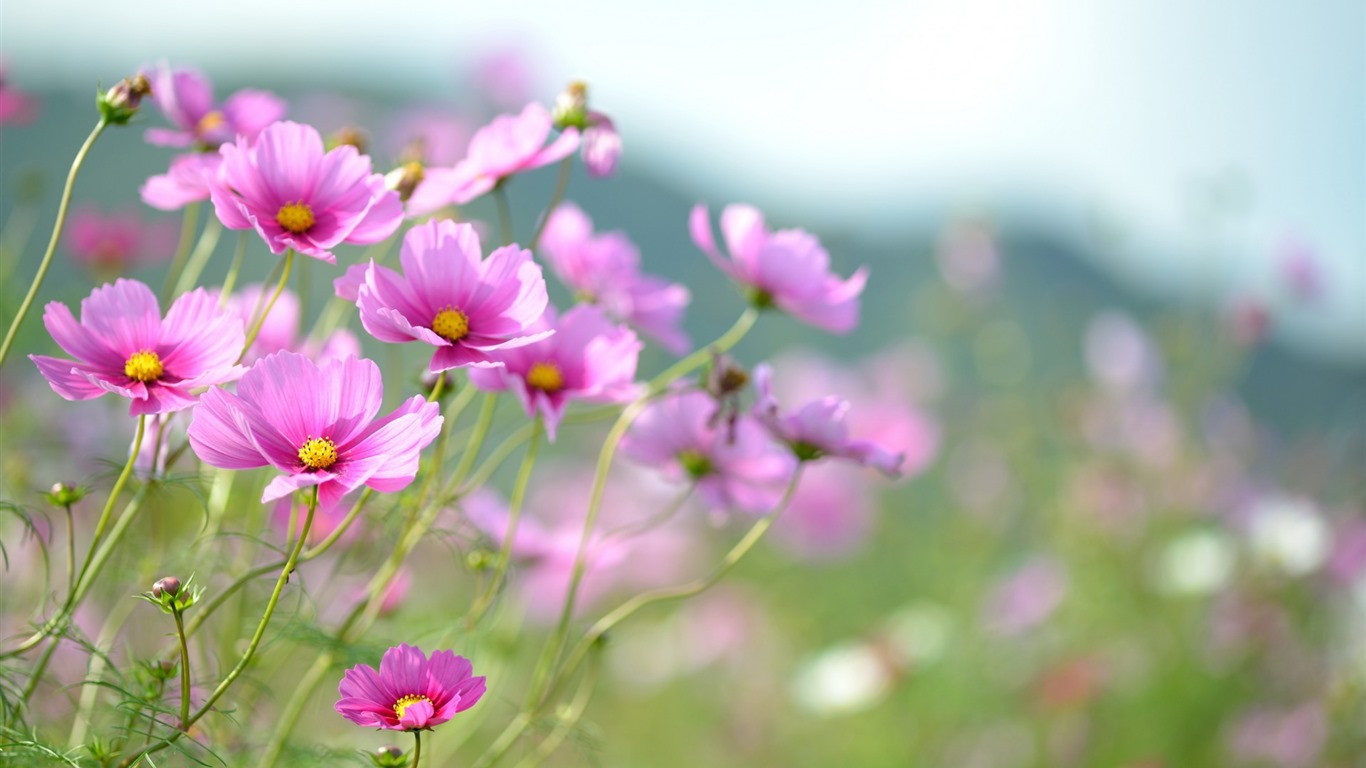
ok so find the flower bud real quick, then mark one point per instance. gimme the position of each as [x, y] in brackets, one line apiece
[167, 586]
[350, 136]
[571, 107]
[118, 104]
[65, 494]
[389, 756]
[404, 179]
[725, 378]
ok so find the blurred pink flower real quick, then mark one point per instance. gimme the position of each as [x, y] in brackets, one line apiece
[817, 428]
[509, 145]
[315, 423]
[186, 181]
[969, 260]
[439, 134]
[16, 106]
[280, 331]
[122, 345]
[1119, 355]
[186, 99]
[1286, 738]
[113, 242]
[605, 269]
[588, 358]
[733, 468]
[1248, 320]
[296, 195]
[325, 521]
[1299, 269]
[452, 298]
[503, 75]
[788, 268]
[830, 516]
[409, 692]
[1347, 562]
[1026, 598]
[601, 146]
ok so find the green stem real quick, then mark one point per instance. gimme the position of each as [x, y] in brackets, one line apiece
[567, 720]
[294, 708]
[255, 642]
[208, 241]
[500, 568]
[417, 747]
[481, 431]
[90, 686]
[561, 185]
[279, 289]
[188, 223]
[70, 550]
[500, 196]
[52, 243]
[230, 281]
[184, 670]
[550, 657]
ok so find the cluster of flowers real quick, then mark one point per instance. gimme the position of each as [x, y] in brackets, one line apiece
[259, 396]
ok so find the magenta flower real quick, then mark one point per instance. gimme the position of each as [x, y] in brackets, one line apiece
[787, 268]
[605, 269]
[122, 345]
[818, 428]
[297, 196]
[186, 98]
[109, 243]
[734, 466]
[509, 145]
[409, 692]
[314, 422]
[588, 358]
[450, 297]
[185, 182]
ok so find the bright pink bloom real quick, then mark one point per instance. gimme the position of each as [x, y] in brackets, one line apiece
[818, 428]
[186, 98]
[314, 422]
[605, 269]
[111, 243]
[409, 692]
[734, 466]
[122, 345]
[509, 145]
[185, 182]
[601, 146]
[588, 358]
[450, 297]
[297, 196]
[787, 268]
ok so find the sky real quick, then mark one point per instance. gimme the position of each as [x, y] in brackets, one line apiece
[1200, 137]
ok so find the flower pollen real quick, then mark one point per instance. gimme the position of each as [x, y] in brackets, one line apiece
[451, 324]
[402, 704]
[210, 121]
[143, 366]
[545, 377]
[295, 217]
[318, 453]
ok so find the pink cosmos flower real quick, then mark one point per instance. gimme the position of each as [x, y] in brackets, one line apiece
[509, 145]
[111, 243]
[409, 692]
[588, 358]
[315, 423]
[787, 268]
[450, 297]
[735, 467]
[818, 428]
[605, 269]
[185, 182]
[123, 345]
[601, 146]
[186, 99]
[297, 196]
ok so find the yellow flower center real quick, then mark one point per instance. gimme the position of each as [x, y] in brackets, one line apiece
[318, 453]
[295, 217]
[451, 324]
[210, 121]
[143, 366]
[545, 377]
[402, 704]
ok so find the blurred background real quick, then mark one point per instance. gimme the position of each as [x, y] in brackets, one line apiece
[1118, 300]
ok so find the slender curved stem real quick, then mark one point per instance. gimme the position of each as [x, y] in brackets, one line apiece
[230, 282]
[500, 196]
[188, 223]
[279, 289]
[51, 243]
[255, 642]
[417, 747]
[70, 550]
[567, 720]
[184, 669]
[561, 186]
[208, 241]
[500, 568]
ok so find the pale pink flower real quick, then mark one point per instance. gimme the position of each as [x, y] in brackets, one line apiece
[1027, 597]
[509, 145]
[123, 345]
[787, 268]
[605, 269]
[186, 181]
[296, 195]
[601, 146]
[817, 428]
[186, 99]
[830, 516]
